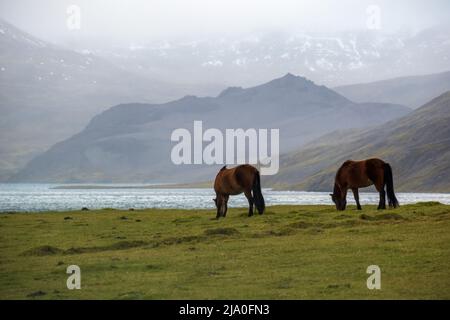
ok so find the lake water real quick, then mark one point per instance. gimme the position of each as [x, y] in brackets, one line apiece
[40, 197]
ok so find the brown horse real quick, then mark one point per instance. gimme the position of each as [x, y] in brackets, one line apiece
[243, 178]
[361, 174]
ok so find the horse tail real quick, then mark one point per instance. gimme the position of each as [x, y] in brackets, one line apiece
[389, 182]
[257, 195]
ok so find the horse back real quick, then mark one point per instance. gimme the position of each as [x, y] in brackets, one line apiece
[360, 174]
[235, 180]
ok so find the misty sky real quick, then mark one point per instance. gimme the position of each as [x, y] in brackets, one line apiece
[137, 20]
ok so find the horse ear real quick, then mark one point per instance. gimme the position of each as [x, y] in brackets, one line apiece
[331, 195]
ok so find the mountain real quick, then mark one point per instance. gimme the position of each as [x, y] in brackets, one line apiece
[416, 145]
[48, 93]
[332, 58]
[409, 91]
[131, 142]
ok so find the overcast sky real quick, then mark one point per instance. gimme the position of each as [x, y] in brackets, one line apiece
[134, 20]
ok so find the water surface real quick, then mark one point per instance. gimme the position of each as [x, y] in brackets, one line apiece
[43, 197]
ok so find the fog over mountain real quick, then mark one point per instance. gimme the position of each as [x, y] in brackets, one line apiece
[330, 58]
[122, 21]
[48, 93]
[235, 43]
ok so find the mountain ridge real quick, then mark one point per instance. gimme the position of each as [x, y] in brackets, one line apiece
[412, 91]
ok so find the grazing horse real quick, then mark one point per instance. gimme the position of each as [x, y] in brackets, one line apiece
[361, 174]
[243, 178]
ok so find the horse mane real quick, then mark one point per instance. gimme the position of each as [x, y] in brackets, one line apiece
[346, 163]
[337, 188]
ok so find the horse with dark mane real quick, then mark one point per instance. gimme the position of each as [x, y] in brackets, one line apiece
[360, 174]
[243, 178]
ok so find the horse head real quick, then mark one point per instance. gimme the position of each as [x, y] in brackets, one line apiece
[338, 198]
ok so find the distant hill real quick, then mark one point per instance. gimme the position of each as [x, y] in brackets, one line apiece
[409, 91]
[131, 142]
[48, 93]
[417, 146]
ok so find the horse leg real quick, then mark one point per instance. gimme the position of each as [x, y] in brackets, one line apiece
[380, 189]
[356, 196]
[218, 202]
[219, 208]
[248, 195]
[225, 206]
[382, 204]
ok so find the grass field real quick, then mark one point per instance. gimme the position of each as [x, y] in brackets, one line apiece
[290, 252]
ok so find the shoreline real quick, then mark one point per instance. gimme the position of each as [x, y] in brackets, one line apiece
[351, 208]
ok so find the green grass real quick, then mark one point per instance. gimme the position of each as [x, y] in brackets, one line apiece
[290, 252]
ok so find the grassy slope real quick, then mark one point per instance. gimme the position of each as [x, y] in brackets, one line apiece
[417, 146]
[290, 252]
